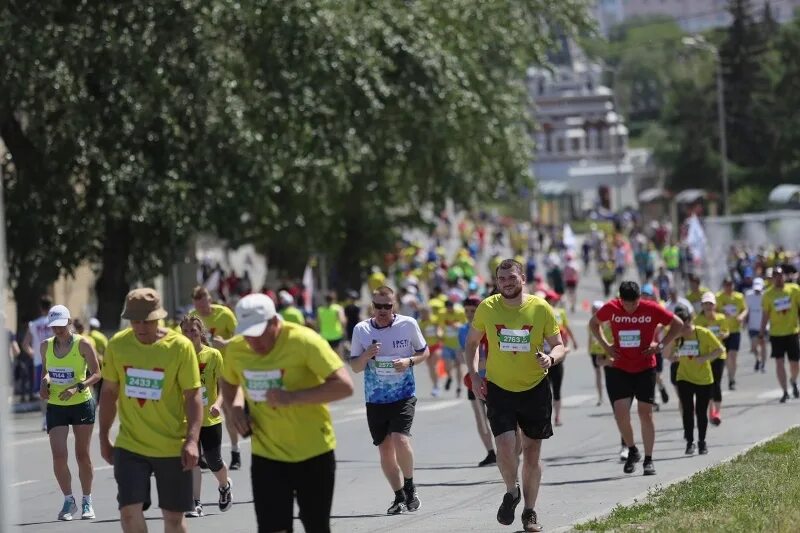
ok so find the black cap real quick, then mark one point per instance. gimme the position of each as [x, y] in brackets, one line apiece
[727, 280]
[683, 312]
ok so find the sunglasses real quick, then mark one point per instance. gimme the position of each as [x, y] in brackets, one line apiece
[382, 306]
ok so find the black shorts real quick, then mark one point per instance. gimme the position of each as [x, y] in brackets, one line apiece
[530, 410]
[276, 483]
[641, 385]
[659, 363]
[335, 343]
[132, 473]
[733, 342]
[595, 357]
[395, 417]
[673, 373]
[70, 415]
[785, 346]
[211, 446]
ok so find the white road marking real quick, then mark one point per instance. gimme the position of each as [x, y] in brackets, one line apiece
[444, 404]
[577, 399]
[771, 395]
[26, 482]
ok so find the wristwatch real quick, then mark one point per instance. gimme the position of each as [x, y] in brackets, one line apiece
[81, 386]
[411, 361]
[660, 346]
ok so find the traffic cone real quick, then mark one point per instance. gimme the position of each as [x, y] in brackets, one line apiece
[441, 370]
[585, 305]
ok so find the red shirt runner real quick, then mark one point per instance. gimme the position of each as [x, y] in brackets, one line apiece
[633, 332]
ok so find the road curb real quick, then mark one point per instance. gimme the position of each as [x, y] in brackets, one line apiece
[642, 496]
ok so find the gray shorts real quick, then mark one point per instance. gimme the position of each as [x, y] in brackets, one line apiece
[132, 473]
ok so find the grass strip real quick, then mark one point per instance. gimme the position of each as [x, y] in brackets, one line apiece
[757, 491]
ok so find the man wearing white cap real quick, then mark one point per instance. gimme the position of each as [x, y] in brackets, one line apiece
[289, 373]
[99, 338]
[70, 369]
[152, 377]
[755, 310]
[289, 311]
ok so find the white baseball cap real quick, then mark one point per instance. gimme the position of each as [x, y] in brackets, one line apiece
[597, 304]
[708, 298]
[252, 314]
[93, 322]
[285, 298]
[58, 316]
[758, 284]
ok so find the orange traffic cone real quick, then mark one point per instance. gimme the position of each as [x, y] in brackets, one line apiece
[441, 370]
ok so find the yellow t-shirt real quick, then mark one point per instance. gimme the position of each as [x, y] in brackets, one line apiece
[300, 359]
[515, 334]
[152, 379]
[703, 343]
[718, 326]
[595, 348]
[100, 341]
[90, 340]
[430, 330]
[437, 304]
[781, 306]
[450, 322]
[732, 306]
[210, 363]
[220, 322]
[694, 297]
[376, 280]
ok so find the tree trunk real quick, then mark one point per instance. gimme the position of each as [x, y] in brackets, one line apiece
[349, 274]
[113, 284]
[26, 295]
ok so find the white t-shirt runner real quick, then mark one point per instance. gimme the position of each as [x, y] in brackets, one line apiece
[403, 338]
[39, 332]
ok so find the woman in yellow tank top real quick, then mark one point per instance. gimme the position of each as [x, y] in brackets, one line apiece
[70, 369]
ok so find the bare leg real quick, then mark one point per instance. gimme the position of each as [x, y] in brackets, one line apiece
[531, 470]
[598, 381]
[648, 426]
[389, 463]
[732, 364]
[508, 459]
[197, 478]
[174, 522]
[482, 423]
[132, 519]
[780, 368]
[83, 439]
[58, 447]
[794, 367]
[622, 414]
[404, 454]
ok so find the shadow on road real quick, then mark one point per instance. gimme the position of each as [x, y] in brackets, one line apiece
[460, 483]
[583, 481]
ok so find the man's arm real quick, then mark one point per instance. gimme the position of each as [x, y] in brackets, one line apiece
[557, 349]
[92, 362]
[764, 320]
[596, 331]
[193, 404]
[27, 349]
[108, 407]
[674, 330]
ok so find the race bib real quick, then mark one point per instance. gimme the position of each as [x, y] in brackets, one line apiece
[730, 310]
[450, 332]
[715, 330]
[689, 349]
[630, 338]
[204, 394]
[783, 304]
[144, 384]
[515, 340]
[384, 367]
[258, 382]
[430, 331]
[61, 376]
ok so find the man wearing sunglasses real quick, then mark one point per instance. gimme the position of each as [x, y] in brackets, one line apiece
[386, 347]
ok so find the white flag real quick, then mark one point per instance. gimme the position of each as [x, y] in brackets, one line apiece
[696, 239]
[308, 291]
[569, 238]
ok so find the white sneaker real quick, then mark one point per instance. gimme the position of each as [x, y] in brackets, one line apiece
[197, 512]
[69, 509]
[436, 392]
[623, 454]
[87, 512]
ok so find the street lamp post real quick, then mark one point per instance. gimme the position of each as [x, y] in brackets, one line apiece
[699, 42]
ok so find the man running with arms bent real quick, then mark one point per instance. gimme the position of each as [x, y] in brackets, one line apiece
[515, 389]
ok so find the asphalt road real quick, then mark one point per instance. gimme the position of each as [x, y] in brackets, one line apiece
[582, 475]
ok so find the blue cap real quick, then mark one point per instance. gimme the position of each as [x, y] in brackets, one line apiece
[648, 289]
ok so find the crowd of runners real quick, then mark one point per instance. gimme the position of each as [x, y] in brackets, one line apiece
[500, 341]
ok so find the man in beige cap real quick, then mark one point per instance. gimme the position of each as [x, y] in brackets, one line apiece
[288, 373]
[151, 375]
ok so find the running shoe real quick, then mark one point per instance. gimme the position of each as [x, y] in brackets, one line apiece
[715, 418]
[530, 522]
[784, 397]
[490, 459]
[630, 462]
[448, 383]
[795, 391]
[505, 514]
[68, 510]
[763, 368]
[758, 366]
[236, 461]
[436, 392]
[664, 395]
[649, 468]
[690, 448]
[87, 512]
[702, 449]
[225, 497]
[656, 407]
[398, 506]
[458, 392]
[731, 385]
[197, 512]
[623, 454]
[412, 499]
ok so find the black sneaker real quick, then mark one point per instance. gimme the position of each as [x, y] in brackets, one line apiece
[225, 497]
[656, 407]
[690, 448]
[633, 458]
[795, 391]
[412, 500]
[530, 522]
[731, 385]
[664, 395]
[702, 449]
[448, 383]
[505, 514]
[784, 397]
[649, 468]
[758, 366]
[236, 461]
[398, 506]
[490, 459]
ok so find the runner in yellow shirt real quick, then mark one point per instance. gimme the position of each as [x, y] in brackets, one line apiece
[209, 361]
[517, 394]
[598, 354]
[694, 350]
[151, 378]
[695, 293]
[220, 324]
[432, 331]
[782, 313]
[331, 321]
[732, 304]
[716, 323]
[288, 374]
[450, 319]
[101, 341]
